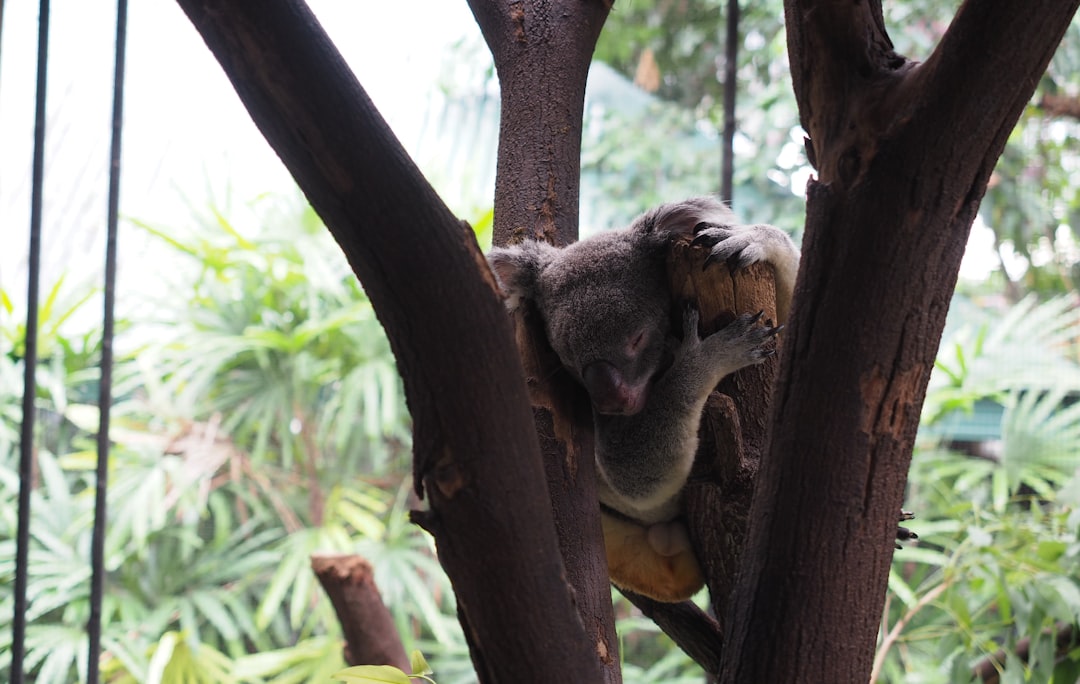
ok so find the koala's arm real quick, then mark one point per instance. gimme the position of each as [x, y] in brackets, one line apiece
[644, 459]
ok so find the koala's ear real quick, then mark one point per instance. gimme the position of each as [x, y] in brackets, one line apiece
[660, 226]
[518, 268]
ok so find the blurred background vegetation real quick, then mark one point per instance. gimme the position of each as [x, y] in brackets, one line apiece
[259, 418]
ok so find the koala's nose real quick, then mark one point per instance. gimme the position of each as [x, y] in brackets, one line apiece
[609, 391]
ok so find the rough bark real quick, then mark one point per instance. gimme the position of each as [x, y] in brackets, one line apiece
[370, 635]
[903, 152]
[563, 418]
[542, 51]
[434, 295]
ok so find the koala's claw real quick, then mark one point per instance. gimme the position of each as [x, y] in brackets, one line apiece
[749, 341]
[700, 227]
[738, 248]
[903, 534]
[691, 318]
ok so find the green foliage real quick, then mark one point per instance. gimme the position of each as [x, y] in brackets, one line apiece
[998, 558]
[373, 674]
[1032, 205]
[260, 425]
[985, 355]
[648, 655]
[281, 341]
[670, 148]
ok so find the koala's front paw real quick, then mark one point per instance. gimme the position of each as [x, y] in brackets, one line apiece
[737, 246]
[743, 342]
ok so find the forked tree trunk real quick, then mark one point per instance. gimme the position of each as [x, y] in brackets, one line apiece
[542, 51]
[903, 153]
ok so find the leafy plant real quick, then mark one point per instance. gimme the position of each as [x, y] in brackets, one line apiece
[995, 573]
[374, 674]
[237, 452]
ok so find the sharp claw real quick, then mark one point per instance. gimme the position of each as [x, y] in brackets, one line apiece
[709, 260]
[699, 238]
[757, 316]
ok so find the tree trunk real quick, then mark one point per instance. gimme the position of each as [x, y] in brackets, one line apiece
[903, 152]
[542, 52]
[476, 452]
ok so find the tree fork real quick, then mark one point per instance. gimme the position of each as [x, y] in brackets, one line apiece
[903, 153]
[720, 490]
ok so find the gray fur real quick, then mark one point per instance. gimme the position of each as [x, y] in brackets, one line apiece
[606, 306]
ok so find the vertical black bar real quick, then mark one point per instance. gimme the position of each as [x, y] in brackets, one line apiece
[26, 430]
[1, 22]
[731, 70]
[97, 581]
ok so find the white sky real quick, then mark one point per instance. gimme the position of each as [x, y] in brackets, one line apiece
[186, 138]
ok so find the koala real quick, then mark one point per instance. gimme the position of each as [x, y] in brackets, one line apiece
[607, 311]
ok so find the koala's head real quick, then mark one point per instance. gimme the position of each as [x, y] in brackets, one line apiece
[605, 301]
[606, 309]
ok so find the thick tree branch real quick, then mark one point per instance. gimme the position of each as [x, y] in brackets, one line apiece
[370, 635]
[692, 630]
[435, 296]
[972, 69]
[903, 165]
[978, 81]
[843, 68]
[542, 50]
[1060, 105]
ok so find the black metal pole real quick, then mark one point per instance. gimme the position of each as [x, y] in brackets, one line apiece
[26, 430]
[731, 70]
[97, 578]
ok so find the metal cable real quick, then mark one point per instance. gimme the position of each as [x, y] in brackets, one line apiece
[97, 581]
[26, 430]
